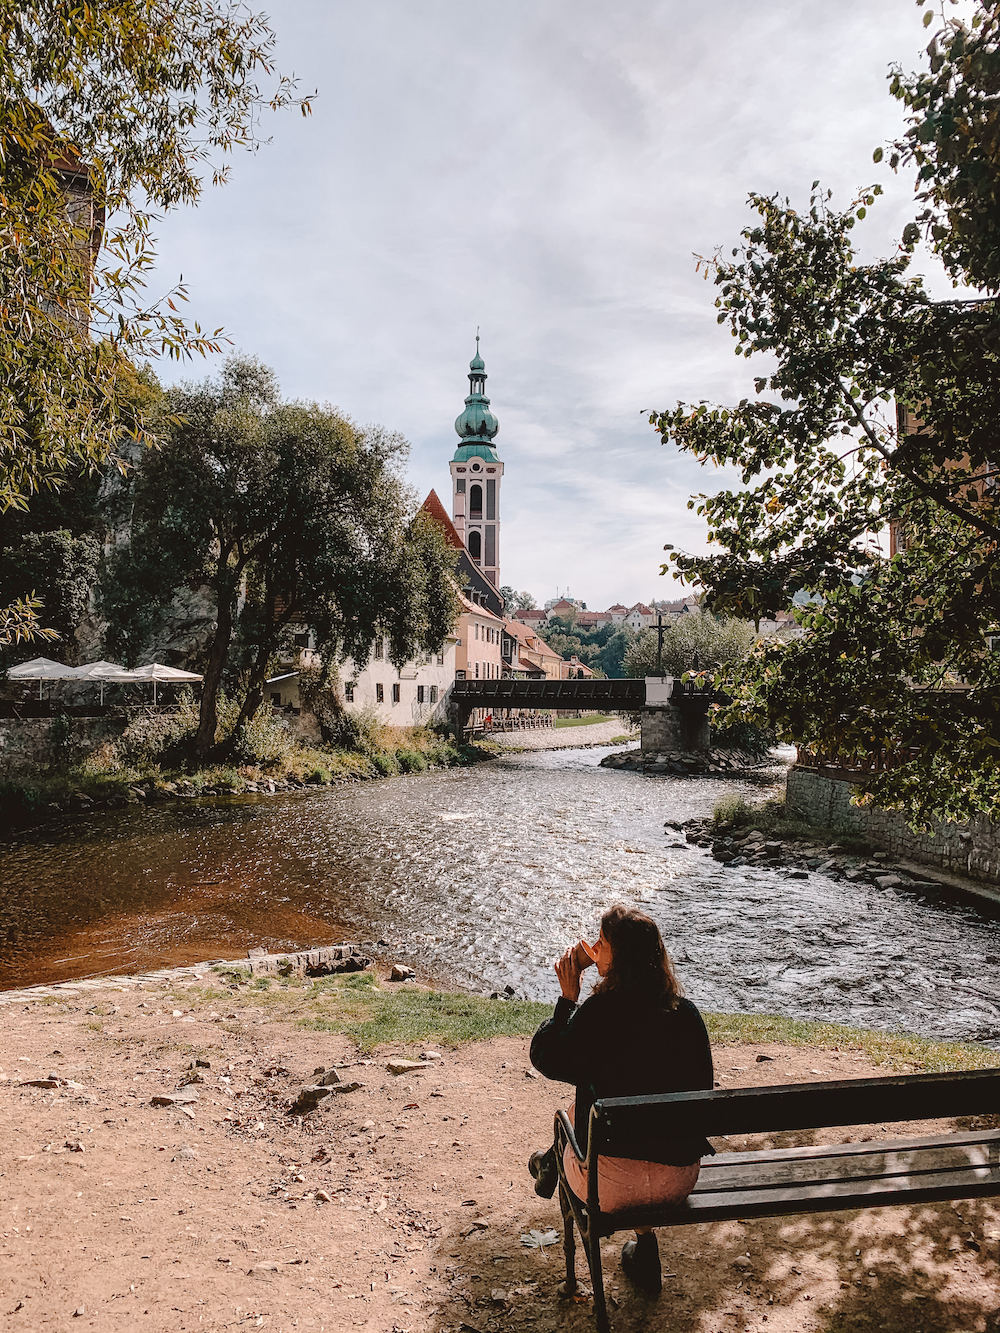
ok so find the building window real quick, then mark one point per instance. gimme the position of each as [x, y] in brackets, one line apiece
[380, 693]
[475, 545]
[477, 671]
[477, 631]
[377, 650]
[395, 694]
[460, 486]
[434, 694]
[301, 640]
[349, 692]
[420, 694]
[491, 544]
[476, 500]
[440, 657]
[276, 700]
[491, 499]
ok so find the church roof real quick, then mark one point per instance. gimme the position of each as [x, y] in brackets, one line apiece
[436, 510]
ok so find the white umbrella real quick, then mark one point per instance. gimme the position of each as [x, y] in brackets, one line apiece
[41, 668]
[98, 671]
[155, 671]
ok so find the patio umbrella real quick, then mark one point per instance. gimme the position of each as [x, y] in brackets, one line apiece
[155, 671]
[98, 671]
[41, 668]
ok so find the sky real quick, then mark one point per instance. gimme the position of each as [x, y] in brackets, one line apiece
[543, 170]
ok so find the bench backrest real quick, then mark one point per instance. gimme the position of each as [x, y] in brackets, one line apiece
[638, 1127]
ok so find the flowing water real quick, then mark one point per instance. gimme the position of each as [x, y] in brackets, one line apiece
[480, 877]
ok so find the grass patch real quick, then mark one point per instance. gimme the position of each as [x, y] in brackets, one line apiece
[588, 720]
[771, 817]
[374, 1015]
[899, 1051]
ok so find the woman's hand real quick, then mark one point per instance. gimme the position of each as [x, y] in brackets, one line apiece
[568, 972]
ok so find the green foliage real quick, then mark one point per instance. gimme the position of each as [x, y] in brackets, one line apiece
[516, 601]
[109, 116]
[293, 505]
[953, 138]
[693, 642]
[602, 648]
[825, 464]
[60, 568]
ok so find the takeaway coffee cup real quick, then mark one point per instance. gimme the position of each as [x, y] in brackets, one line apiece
[584, 955]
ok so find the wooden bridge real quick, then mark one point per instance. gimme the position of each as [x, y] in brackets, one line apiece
[624, 694]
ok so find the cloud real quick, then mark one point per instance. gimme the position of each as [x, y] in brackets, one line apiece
[544, 171]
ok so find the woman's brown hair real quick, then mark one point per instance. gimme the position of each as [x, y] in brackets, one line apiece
[640, 963]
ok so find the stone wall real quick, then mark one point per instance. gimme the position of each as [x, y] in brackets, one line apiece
[31, 746]
[671, 728]
[971, 849]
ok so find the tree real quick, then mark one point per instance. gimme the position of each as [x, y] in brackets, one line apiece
[690, 643]
[294, 512]
[896, 660]
[60, 569]
[110, 114]
[516, 601]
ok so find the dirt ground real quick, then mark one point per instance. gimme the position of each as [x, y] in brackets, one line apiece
[397, 1206]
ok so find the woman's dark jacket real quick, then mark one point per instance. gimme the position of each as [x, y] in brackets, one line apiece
[618, 1045]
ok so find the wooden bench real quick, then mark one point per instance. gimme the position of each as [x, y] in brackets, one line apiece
[780, 1181]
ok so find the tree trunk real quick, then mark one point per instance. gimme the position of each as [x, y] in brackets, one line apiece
[208, 717]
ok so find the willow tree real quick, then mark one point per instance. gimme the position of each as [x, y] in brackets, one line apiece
[290, 514]
[110, 116]
[877, 407]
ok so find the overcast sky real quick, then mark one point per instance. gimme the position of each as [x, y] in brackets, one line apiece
[543, 169]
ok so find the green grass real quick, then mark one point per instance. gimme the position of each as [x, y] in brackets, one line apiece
[588, 720]
[372, 1015]
[899, 1051]
[770, 817]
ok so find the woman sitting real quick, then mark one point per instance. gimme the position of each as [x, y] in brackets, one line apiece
[634, 1036]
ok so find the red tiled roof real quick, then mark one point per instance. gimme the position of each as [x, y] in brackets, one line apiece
[643, 610]
[617, 607]
[526, 614]
[433, 507]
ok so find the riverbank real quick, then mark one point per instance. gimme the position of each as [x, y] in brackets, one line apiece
[401, 1202]
[119, 775]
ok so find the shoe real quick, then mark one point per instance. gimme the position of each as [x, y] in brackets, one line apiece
[542, 1166]
[641, 1263]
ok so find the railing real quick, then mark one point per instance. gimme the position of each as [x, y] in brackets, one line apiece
[878, 761]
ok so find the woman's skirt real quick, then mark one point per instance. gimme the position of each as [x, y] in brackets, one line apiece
[623, 1183]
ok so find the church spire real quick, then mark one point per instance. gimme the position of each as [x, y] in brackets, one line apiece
[477, 425]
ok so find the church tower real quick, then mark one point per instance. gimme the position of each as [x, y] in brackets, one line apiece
[476, 471]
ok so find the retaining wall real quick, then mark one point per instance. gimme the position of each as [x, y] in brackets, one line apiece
[33, 745]
[971, 849]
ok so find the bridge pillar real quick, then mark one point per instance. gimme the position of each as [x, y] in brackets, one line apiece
[671, 728]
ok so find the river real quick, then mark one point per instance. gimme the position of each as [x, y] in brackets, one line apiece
[479, 877]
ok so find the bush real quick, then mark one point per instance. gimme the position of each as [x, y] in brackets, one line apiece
[411, 761]
[735, 810]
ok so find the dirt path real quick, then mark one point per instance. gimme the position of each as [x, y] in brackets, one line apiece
[397, 1206]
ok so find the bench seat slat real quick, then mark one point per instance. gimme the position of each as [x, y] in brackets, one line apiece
[826, 1197]
[891, 1162]
[850, 1149]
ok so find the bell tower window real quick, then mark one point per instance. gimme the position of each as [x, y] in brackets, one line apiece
[476, 501]
[475, 545]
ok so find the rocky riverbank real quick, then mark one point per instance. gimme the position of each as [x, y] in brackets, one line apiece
[687, 763]
[735, 847]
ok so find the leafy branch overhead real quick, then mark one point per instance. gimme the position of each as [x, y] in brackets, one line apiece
[110, 115]
[876, 407]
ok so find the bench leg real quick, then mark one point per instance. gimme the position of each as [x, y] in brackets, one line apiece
[593, 1247]
[568, 1287]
